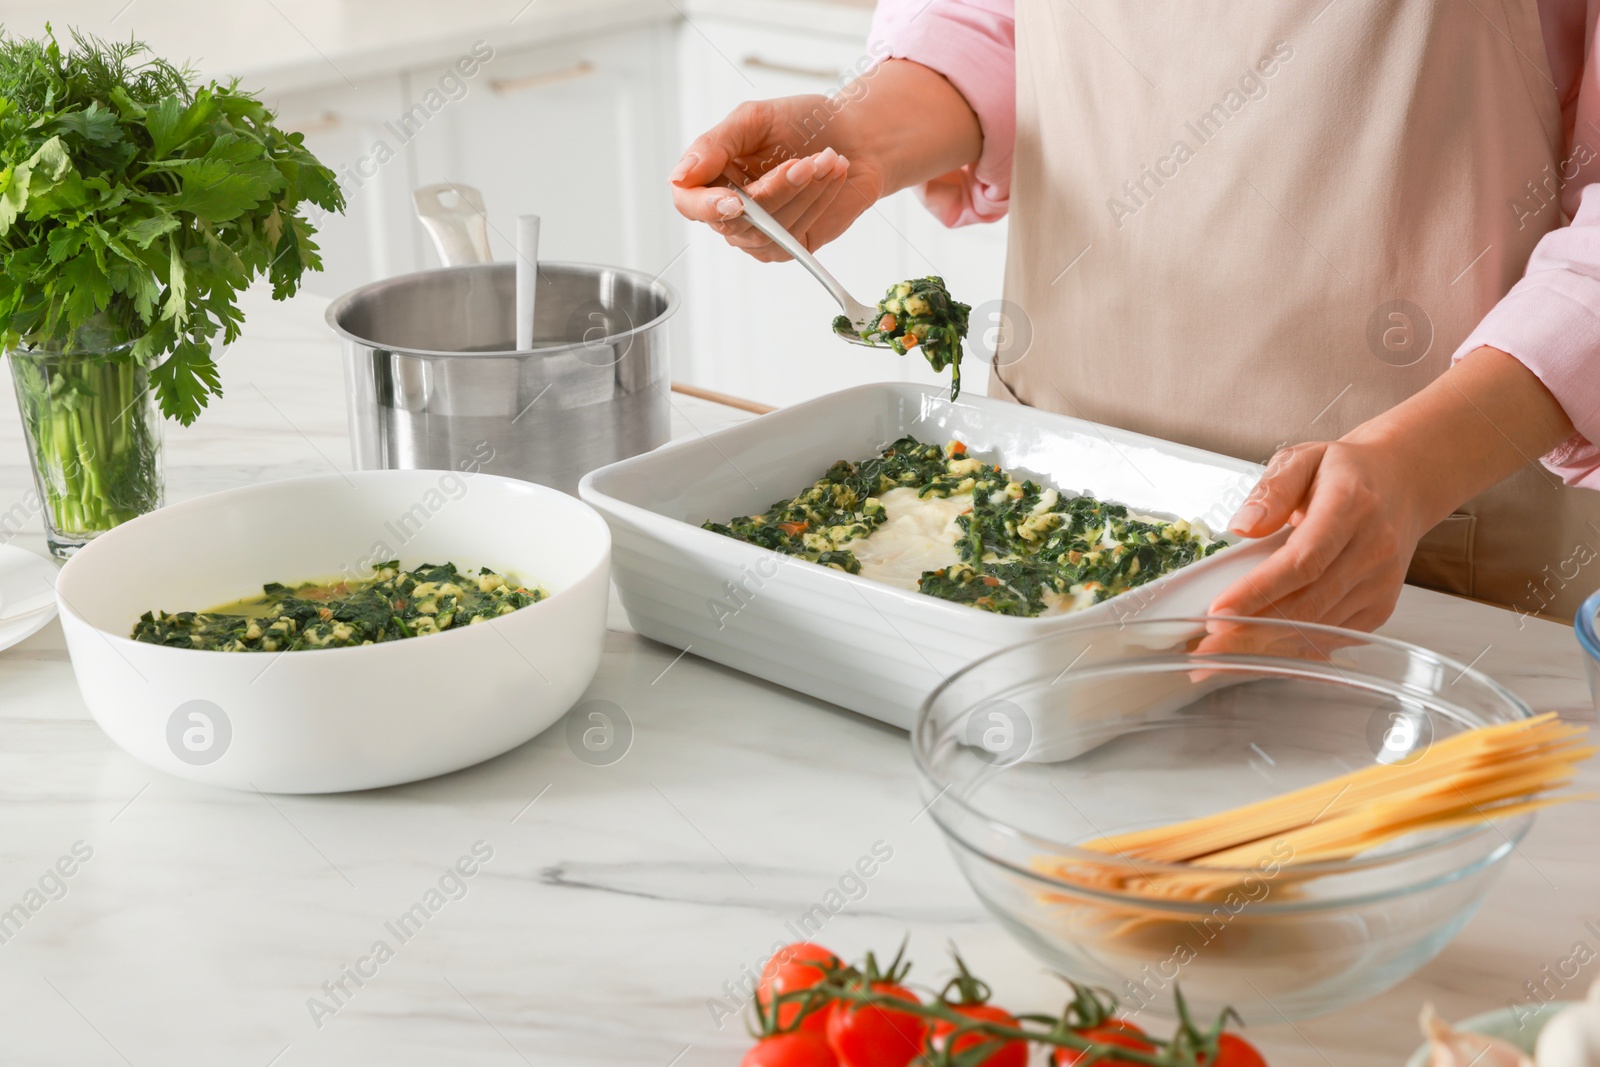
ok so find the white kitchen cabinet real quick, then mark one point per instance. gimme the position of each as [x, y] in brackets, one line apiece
[580, 133]
[761, 330]
[346, 127]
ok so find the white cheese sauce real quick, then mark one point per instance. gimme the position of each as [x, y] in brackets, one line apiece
[920, 534]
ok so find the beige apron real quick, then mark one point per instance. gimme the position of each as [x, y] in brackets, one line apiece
[1241, 226]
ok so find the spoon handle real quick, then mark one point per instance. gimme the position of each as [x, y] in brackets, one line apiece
[763, 221]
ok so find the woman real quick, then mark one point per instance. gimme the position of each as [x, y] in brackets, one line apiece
[1329, 231]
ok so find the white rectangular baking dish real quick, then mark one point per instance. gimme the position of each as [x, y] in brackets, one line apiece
[870, 647]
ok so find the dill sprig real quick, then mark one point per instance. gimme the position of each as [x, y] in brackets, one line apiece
[35, 74]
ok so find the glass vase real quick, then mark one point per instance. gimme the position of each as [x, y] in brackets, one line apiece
[93, 434]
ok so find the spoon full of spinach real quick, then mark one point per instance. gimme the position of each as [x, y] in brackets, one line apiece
[919, 313]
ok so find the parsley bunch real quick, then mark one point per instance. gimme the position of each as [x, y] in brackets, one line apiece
[134, 199]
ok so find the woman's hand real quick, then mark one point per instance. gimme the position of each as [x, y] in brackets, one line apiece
[1356, 525]
[817, 162]
[1359, 505]
[777, 150]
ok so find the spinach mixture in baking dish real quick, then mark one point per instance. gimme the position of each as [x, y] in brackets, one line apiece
[936, 521]
[391, 605]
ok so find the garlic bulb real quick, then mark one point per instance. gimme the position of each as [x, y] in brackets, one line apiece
[1572, 1037]
[1459, 1048]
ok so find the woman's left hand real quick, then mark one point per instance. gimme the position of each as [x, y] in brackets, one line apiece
[1356, 524]
[1360, 504]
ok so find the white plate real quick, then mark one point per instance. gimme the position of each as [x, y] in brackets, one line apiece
[870, 647]
[27, 594]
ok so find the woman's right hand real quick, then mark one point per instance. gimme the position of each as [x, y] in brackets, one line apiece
[788, 154]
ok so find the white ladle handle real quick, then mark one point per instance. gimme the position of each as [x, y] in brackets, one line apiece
[527, 275]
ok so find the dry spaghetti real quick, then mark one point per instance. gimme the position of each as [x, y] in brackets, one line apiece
[1473, 777]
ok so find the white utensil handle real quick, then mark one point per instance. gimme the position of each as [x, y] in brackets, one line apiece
[460, 228]
[527, 274]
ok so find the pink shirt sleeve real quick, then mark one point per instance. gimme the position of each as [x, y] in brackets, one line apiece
[973, 44]
[1550, 320]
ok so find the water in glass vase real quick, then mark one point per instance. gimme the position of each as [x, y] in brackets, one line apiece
[93, 434]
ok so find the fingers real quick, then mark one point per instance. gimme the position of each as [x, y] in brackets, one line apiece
[790, 180]
[1345, 560]
[858, 194]
[804, 225]
[1367, 606]
[807, 180]
[712, 205]
[1248, 637]
[796, 193]
[789, 189]
[1304, 558]
[746, 131]
[1325, 596]
[743, 144]
[1279, 492]
[1369, 618]
[775, 190]
[1285, 492]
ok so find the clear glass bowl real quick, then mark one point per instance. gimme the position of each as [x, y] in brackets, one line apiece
[1588, 615]
[1029, 753]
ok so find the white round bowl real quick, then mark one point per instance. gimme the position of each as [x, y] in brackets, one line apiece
[329, 720]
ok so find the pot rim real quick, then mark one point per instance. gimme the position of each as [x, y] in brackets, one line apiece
[343, 304]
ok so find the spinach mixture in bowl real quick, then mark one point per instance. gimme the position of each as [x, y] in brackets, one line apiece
[391, 605]
[939, 522]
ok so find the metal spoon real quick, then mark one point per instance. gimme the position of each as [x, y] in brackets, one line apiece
[861, 316]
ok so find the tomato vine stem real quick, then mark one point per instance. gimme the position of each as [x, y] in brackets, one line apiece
[1190, 1046]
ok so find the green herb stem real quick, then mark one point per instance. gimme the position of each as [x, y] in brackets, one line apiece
[92, 428]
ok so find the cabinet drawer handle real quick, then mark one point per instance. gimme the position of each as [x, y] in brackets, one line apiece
[322, 123]
[826, 74]
[581, 69]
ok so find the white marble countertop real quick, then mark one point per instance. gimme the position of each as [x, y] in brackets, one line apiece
[284, 45]
[618, 899]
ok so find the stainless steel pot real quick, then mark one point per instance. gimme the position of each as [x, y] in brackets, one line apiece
[433, 380]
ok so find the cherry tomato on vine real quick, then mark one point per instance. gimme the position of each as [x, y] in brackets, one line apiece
[792, 968]
[1114, 1032]
[1005, 1054]
[801, 1048]
[1235, 1051]
[869, 1036]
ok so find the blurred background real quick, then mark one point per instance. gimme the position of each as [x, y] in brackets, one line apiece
[574, 110]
